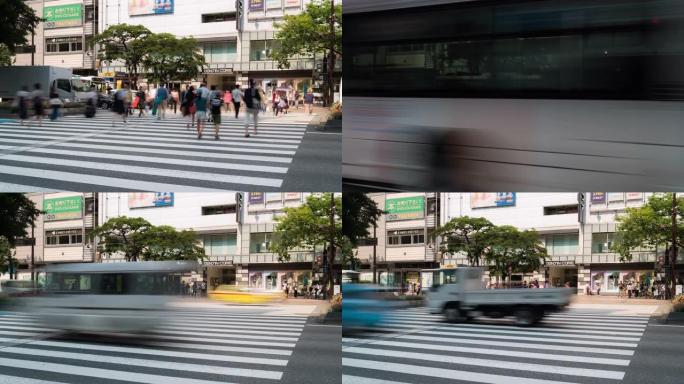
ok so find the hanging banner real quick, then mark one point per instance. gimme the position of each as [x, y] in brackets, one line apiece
[273, 196]
[256, 5]
[150, 199]
[63, 208]
[405, 208]
[256, 197]
[616, 196]
[293, 195]
[598, 197]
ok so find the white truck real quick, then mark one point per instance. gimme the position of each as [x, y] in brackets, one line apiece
[460, 295]
[50, 78]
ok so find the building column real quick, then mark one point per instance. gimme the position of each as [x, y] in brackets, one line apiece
[583, 279]
[241, 275]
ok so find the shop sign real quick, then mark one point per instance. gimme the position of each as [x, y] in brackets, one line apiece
[635, 195]
[150, 199]
[560, 262]
[598, 197]
[217, 70]
[293, 195]
[492, 199]
[63, 208]
[405, 208]
[149, 7]
[256, 197]
[293, 3]
[60, 16]
[256, 5]
[271, 4]
[218, 263]
[273, 196]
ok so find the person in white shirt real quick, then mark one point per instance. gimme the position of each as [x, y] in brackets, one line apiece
[237, 99]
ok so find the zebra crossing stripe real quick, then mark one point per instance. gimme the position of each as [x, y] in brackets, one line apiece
[349, 379]
[528, 338]
[244, 330]
[444, 373]
[8, 379]
[235, 334]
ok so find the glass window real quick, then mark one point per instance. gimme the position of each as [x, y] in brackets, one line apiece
[220, 245]
[220, 52]
[601, 242]
[261, 49]
[64, 237]
[218, 17]
[561, 244]
[64, 84]
[218, 210]
[406, 237]
[259, 242]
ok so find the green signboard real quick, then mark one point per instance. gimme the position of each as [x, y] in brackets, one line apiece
[60, 16]
[405, 208]
[63, 208]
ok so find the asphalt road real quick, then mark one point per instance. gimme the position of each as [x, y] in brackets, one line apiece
[104, 154]
[231, 344]
[583, 345]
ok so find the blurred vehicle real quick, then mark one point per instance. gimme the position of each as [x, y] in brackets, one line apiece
[108, 297]
[349, 276]
[460, 294]
[105, 100]
[18, 288]
[368, 305]
[244, 295]
[486, 95]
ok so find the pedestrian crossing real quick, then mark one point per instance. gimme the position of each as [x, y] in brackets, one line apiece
[207, 347]
[75, 153]
[413, 346]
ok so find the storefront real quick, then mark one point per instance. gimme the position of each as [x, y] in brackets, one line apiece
[607, 277]
[270, 277]
[561, 273]
[219, 273]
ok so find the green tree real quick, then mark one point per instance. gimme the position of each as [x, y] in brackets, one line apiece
[169, 58]
[17, 213]
[7, 260]
[166, 243]
[466, 235]
[318, 29]
[359, 214]
[17, 21]
[127, 43]
[5, 56]
[509, 250]
[315, 224]
[123, 235]
[658, 223]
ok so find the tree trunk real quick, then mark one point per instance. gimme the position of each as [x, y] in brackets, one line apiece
[331, 251]
[331, 56]
[673, 251]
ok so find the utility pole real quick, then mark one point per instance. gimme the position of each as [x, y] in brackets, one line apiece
[375, 248]
[33, 257]
[673, 251]
[33, 47]
[331, 55]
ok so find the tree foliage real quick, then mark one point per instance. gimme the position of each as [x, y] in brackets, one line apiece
[5, 56]
[509, 250]
[169, 58]
[166, 243]
[17, 213]
[359, 213]
[127, 43]
[465, 235]
[7, 253]
[17, 21]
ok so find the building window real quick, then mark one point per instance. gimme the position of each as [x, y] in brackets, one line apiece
[366, 242]
[220, 245]
[64, 44]
[560, 210]
[562, 244]
[64, 237]
[89, 13]
[602, 242]
[259, 242]
[406, 237]
[218, 17]
[220, 52]
[218, 210]
[89, 205]
[431, 206]
[260, 50]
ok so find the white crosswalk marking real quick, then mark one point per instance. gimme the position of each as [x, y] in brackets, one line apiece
[226, 347]
[414, 346]
[146, 154]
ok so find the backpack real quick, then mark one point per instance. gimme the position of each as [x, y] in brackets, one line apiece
[250, 96]
[216, 101]
[37, 100]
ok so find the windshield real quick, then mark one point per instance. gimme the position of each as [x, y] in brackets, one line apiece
[80, 85]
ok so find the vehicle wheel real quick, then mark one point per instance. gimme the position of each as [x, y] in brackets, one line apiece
[454, 314]
[526, 317]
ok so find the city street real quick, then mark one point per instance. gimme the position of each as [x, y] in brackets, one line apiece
[79, 154]
[203, 343]
[589, 343]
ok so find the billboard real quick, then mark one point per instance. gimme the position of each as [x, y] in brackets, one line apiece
[256, 197]
[405, 208]
[60, 16]
[635, 195]
[150, 199]
[273, 196]
[293, 195]
[63, 208]
[492, 199]
[256, 5]
[616, 196]
[271, 4]
[149, 7]
[598, 197]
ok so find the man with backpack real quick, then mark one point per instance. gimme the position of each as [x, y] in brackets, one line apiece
[215, 103]
[253, 103]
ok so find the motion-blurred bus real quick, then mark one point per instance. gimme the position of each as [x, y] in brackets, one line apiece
[489, 95]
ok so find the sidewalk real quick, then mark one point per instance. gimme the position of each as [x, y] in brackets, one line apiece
[612, 299]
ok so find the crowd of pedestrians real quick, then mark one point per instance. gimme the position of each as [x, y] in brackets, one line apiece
[310, 291]
[195, 288]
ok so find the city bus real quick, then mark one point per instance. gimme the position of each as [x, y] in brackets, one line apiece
[474, 95]
[108, 297]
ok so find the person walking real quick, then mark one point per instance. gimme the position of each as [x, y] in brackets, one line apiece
[153, 100]
[140, 98]
[162, 100]
[216, 102]
[189, 106]
[174, 100]
[55, 104]
[253, 103]
[227, 99]
[296, 99]
[21, 104]
[237, 99]
[308, 102]
[201, 104]
[91, 103]
[38, 99]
